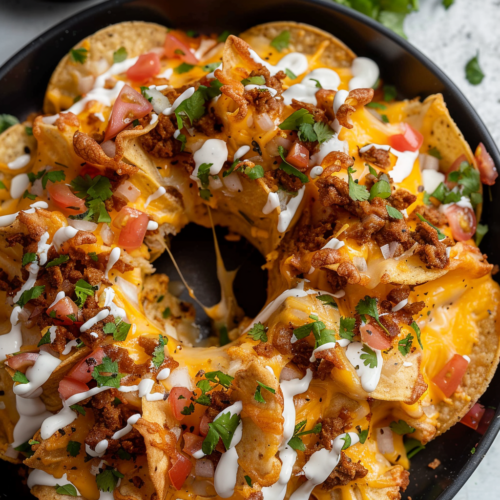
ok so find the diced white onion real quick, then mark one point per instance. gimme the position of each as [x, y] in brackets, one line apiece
[82, 225]
[128, 289]
[385, 440]
[290, 373]
[360, 264]
[109, 147]
[37, 188]
[85, 84]
[128, 191]
[100, 66]
[159, 101]
[180, 378]
[204, 468]
[388, 250]
[265, 122]
[408, 253]
[385, 251]
[107, 234]
[272, 145]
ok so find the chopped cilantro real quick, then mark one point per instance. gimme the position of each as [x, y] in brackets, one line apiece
[46, 338]
[376, 105]
[28, 258]
[401, 427]
[223, 36]
[363, 435]
[368, 306]
[53, 176]
[289, 169]
[28, 130]
[182, 139]
[208, 68]
[356, 192]
[254, 80]
[223, 335]
[412, 447]
[473, 450]
[159, 351]
[82, 291]
[20, 377]
[188, 409]
[347, 441]
[281, 41]
[78, 55]
[3, 186]
[296, 119]
[224, 428]
[473, 71]
[385, 119]
[124, 455]
[448, 3]
[258, 395]
[107, 480]
[32, 293]
[381, 189]
[417, 333]
[193, 107]
[204, 173]
[255, 172]
[166, 313]
[441, 236]
[7, 121]
[73, 448]
[119, 329]
[58, 261]
[120, 55]
[106, 374]
[435, 152]
[95, 191]
[93, 256]
[183, 68]
[369, 357]
[346, 330]
[404, 345]
[393, 212]
[327, 300]
[27, 194]
[295, 442]
[258, 332]
[79, 409]
[205, 194]
[248, 481]
[218, 377]
[290, 74]
[481, 231]
[66, 489]
[389, 92]
[318, 84]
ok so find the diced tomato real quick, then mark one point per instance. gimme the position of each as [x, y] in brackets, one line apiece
[129, 106]
[449, 378]
[90, 170]
[204, 425]
[455, 166]
[179, 398]
[147, 66]
[21, 362]
[82, 372]
[474, 416]
[462, 222]
[69, 387]
[179, 472]
[298, 156]
[133, 225]
[375, 337]
[177, 47]
[409, 140]
[64, 198]
[64, 308]
[192, 443]
[487, 169]
[489, 415]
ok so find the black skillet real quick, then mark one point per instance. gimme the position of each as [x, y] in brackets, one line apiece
[23, 80]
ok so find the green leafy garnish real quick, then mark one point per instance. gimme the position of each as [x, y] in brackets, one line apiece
[224, 428]
[223, 36]
[318, 84]
[28, 258]
[368, 306]
[254, 80]
[193, 108]
[208, 68]
[369, 357]
[120, 55]
[289, 169]
[248, 481]
[79, 409]
[441, 236]
[258, 332]
[205, 194]
[93, 256]
[381, 189]
[3, 186]
[20, 377]
[27, 194]
[389, 93]
[188, 409]
[159, 351]
[448, 3]
[119, 329]
[108, 479]
[363, 435]
[327, 300]
[220, 378]
[32, 293]
[296, 442]
[73, 448]
[290, 74]
[412, 447]
[417, 333]
[183, 68]
[346, 330]
[66, 489]
[166, 313]
[78, 55]
[255, 172]
[393, 212]
[347, 441]
[481, 231]
[356, 192]
[376, 105]
[281, 41]
[204, 173]
[28, 130]
[296, 119]
[124, 455]
[82, 291]
[95, 192]
[258, 395]
[435, 152]
[401, 427]
[473, 71]
[58, 261]
[7, 121]
[107, 374]
[404, 345]
[45, 339]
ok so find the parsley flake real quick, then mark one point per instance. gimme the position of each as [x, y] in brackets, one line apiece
[28, 258]
[473, 71]
[7, 121]
[369, 357]
[258, 395]
[20, 377]
[78, 55]
[66, 489]
[73, 448]
[120, 55]
[107, 480]
[159, 351]
[258, 332]
[346, 330]
[106, 374]
[417, 333]
[401, 427]
[32, 293]
[404, 345]
[58, 261]
[224, 428]
[356, 191]
[281, 41]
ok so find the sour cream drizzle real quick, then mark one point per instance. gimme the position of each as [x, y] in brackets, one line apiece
[157, 194]
[37, 374]
[288, 455]
[273, 201]
[7, 220]
[19, 162]
[295, 62]
[321, 465]
[286, 216]
[114, 256]
[370, 377]
[213, 151]
[404, 163]
[42, 478]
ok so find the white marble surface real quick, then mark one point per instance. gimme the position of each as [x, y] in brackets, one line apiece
[450, 38]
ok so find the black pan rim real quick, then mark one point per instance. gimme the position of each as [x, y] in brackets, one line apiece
[486, 441]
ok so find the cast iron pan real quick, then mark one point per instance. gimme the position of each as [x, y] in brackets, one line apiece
[23, 80]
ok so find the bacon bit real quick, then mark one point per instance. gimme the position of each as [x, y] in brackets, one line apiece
[379, 157]
[434, 464]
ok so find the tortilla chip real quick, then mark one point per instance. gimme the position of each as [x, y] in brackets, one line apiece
[136, 37]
